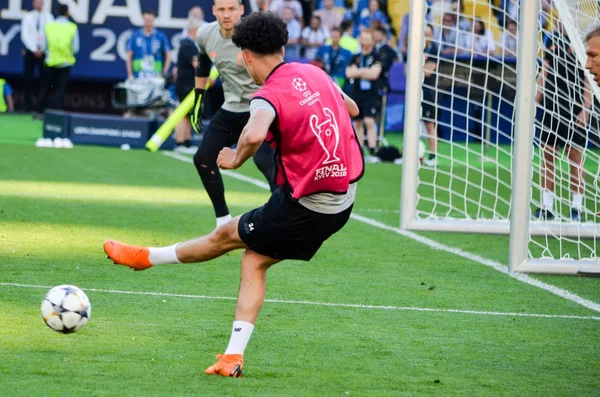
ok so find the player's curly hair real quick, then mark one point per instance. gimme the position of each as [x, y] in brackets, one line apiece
[261, 32]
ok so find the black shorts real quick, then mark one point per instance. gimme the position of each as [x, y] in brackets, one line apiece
[284, 229]
[369, 104]
[183, 91]
[561, 131]
[428, 112]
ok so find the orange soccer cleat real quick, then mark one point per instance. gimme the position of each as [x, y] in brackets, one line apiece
[228, 365]
[127, 255]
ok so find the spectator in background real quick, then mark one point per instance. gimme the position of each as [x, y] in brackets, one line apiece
[452, 40]
[292, 48]
[331, 17]
[483, 42]
[364, 72]
[334, 59]
[187, 61]
[372, 14]
[60, 46]
[279, 6]
[348, 41]
[7, 104]
[508, 41]
[313, 37]
[386, 55]
[148, 50]
[32, 37]
[195, 14]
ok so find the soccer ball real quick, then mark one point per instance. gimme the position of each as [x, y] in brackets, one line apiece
[66, 309]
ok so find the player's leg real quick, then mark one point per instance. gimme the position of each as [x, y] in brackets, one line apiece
[251, 296]
[359, 128]
[577, 173]
[548, 143]
[432, 140]
[264, 158]
[216, 136]
[223, 239]
[371, 127]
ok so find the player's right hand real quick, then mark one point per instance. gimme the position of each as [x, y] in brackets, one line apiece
[196, 114]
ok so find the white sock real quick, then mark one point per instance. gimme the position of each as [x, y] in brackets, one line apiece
[163, 255]
[577, 202]
[240, 335]
[223, 219]
[548, 200]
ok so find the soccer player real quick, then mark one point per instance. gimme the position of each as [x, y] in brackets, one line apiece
[306, 117]
[215, 46]
[565, 98]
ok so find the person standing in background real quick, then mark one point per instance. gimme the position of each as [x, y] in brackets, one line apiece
[32, 37]
[148, 51]
[187, 62]
[60, 45]
[334, 59]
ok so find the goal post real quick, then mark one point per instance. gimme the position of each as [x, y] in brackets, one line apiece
[487, 175]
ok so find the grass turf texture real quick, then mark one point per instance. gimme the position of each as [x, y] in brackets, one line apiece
[57, 207]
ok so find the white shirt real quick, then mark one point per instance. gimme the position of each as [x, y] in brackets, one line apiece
[277, 6]
[484, 45]
[294, 29]
[318, 36]
[32, 29]
[509, 43]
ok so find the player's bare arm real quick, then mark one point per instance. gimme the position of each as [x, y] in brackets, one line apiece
[252, 137]
[349, 102]
[371, 73]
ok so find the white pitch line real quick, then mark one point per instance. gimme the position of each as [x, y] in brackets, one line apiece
[434, 245]
[323, 304]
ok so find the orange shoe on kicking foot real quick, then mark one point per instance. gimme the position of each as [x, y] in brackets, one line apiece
[228, 365]
[127, 255]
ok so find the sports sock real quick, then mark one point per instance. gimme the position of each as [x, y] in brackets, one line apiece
[187, 143]
[163, 255]
[240, 335]
[548, 200]
[372, 151]
[431, 156]
[577, 202]
[221, 220]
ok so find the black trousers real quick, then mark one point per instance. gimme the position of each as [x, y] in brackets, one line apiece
[30, 61]
[223, 131]
[57, 78]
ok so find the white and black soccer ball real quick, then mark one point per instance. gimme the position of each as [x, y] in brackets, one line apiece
[66, 309]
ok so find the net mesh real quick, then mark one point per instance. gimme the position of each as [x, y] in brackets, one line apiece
[468, 106]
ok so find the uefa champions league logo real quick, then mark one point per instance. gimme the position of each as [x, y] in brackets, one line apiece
[324, 131]
[299, 84]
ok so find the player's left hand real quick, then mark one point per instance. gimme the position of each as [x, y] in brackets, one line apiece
[226, 159]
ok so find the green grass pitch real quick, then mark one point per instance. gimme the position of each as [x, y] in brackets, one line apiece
[405, 319]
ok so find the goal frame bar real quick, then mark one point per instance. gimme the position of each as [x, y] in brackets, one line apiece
[519, 225]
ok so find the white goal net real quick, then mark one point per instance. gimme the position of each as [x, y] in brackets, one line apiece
[468, 121]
